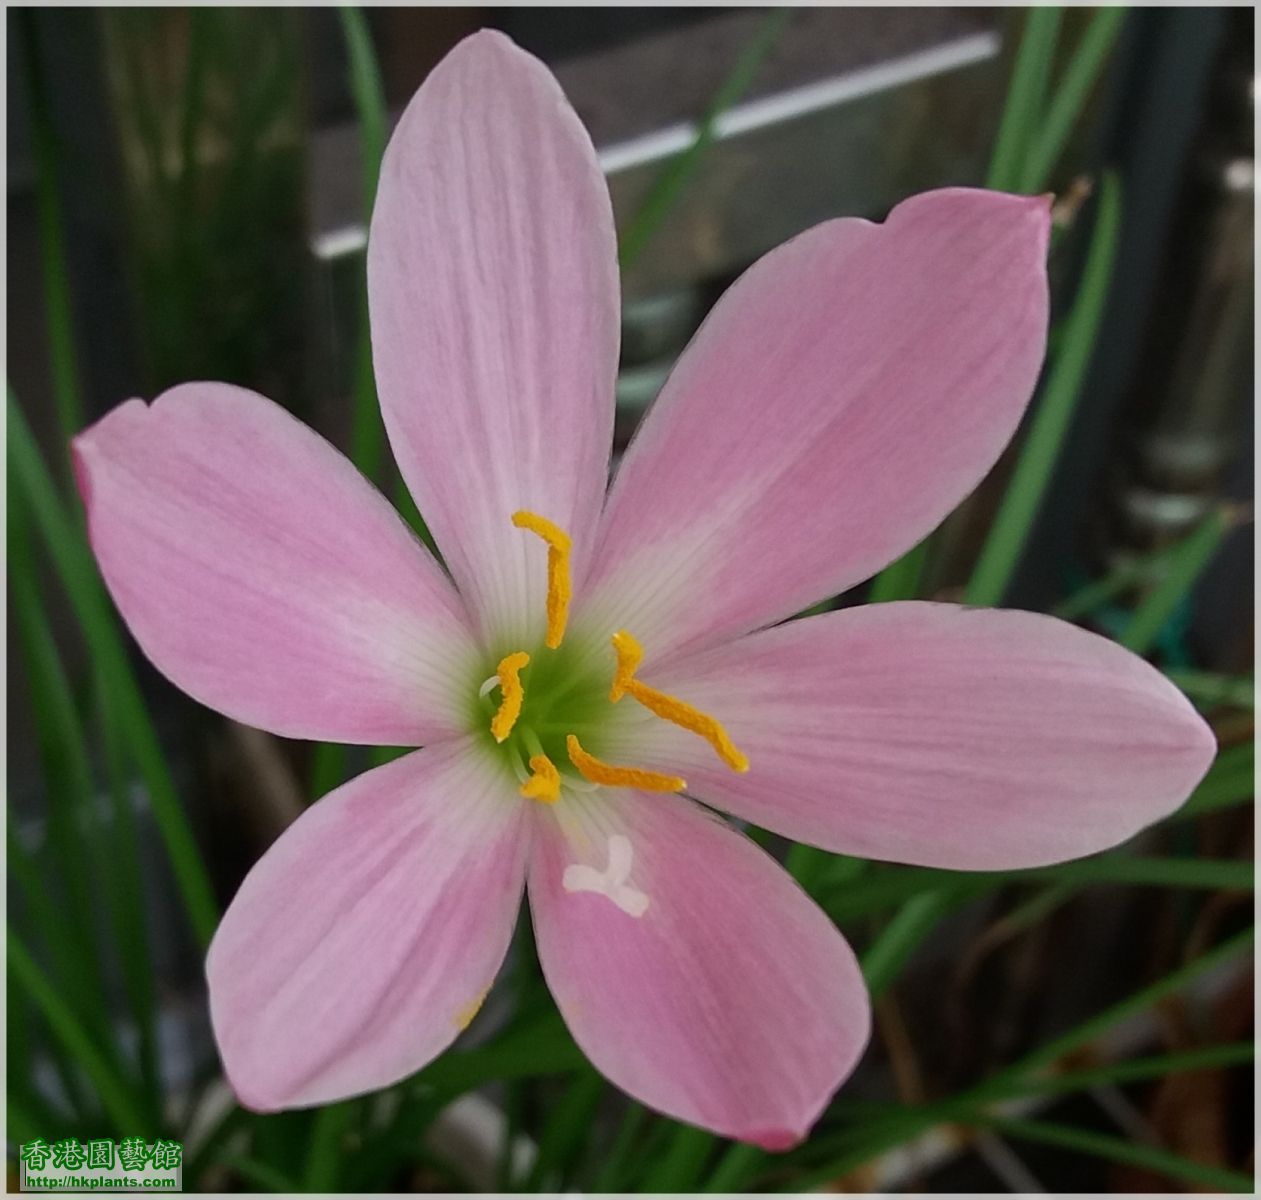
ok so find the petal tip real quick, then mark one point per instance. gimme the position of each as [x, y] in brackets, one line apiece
[490, 44]
[1031, 214]
[249, 1085]
[1201, 744]
[1039, 211]
[776, 1141]
[256, 1102]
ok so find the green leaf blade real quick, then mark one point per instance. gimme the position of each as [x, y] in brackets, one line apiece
[1040, 452]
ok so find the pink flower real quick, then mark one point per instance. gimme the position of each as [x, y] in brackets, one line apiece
[842, 398]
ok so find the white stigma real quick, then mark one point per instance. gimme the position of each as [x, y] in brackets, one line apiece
[611, 882]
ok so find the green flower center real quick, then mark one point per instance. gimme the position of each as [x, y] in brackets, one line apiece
[563, 695]
[547, 709]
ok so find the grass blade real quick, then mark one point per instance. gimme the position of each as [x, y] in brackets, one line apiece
[367, 438]
[73, 828]
[328, 768]
[1022, 111]
[128, 902]
[885, 886]
[19, 1046]
[59, 734]
[1184, 568]
[63, 948]
[324, 1152]
[734, 1169]
[1083, 69]
[62, 357]
[678, 1170]
[808, 864]
[73, 563]
[623, 1146]
[1162, 872]
[669, 185]
[190, 122]
[205, 1151]
[1005, 541]
[21, 1124]
[368, 93]
[1231, 780]
[1138, 1069]
[541, 1047]
[263, 1175]
[1117, 1150]
[886, 956]
[122, 1109]
[1138, 1002]
[859, 1146]
[566, 1124]
[901, 579]
[1209, 690]
[1124, 575]
[82, 860]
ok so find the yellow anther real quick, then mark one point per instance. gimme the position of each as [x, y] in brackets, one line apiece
[629, 655]
[595, 771]
[544, 782]
[513, 691]
[559, 585]
[669, 708]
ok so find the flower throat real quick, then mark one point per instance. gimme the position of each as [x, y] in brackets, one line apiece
[565, 708]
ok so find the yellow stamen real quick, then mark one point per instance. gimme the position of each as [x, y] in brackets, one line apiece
[509, 671]
[559, 585]
[670, 708]
[629, 655]
[595, 771]
[544, 782]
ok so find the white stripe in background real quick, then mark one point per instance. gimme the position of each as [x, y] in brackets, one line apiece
[797, 102]
[744, 118]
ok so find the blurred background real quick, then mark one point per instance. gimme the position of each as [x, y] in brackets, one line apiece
[187, 199]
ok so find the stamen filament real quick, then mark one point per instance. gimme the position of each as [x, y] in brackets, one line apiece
[544, 782]
[513, 691]
[531, 739]
[595, 771]
[669, 708]
[559, 584]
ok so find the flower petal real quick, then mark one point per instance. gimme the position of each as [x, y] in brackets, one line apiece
[691, 969]
[492, 277]
[845, 394]
[364, 940]
[974, 739]
[263, 575]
